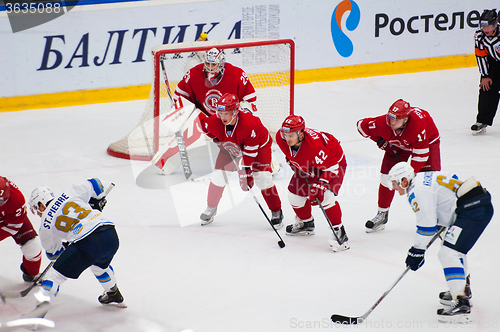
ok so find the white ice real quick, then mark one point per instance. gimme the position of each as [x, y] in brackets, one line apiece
[231, 275]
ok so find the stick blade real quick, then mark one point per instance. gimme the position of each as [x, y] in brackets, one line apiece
[344, 320]
[281, 244]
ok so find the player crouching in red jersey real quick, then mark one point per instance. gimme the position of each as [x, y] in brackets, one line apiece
[242, 136]
[319, 165]
[404, 133]
[14, 222]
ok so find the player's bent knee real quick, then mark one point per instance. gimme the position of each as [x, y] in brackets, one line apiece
[32, 248]
[218, 177]
[329, 200]
[449, 257]
[296, 201]
[263, 180]
[384, 180]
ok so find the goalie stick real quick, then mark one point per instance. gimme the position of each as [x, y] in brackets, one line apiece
[23, 293]
[280, 242]
[340, 319]
[179, 138]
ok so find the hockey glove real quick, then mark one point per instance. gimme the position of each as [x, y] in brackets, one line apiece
[317, 190]
[382, 144]
[415, 258]
[218, 143]
[246, 178]
[98, 204]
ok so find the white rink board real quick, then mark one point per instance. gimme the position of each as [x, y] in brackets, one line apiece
[79, 39]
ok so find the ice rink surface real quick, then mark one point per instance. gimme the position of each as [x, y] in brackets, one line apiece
[231, 275]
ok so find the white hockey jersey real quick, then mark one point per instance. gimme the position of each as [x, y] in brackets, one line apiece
[432, 196]
[70, 218]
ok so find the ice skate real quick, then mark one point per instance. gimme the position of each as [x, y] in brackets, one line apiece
[208, 216]
[277, 219]
[342, 236]
[377, 223]
[478, 128]
[27, 277]
[445, 298]
[113, 297]
[458, 312]
[300, 228]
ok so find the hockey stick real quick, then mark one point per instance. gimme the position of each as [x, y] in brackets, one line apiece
[280, 242]
[340, 319]
[180, 139]
[23, 293]
[324, 213]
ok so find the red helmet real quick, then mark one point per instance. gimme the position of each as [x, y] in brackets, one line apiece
[4, 190]
[292, 124]
[399, 110]
[228, 102]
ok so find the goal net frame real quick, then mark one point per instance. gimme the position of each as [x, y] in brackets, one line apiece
[200, 46]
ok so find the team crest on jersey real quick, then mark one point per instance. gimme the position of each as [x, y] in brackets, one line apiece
[497, 49]
[232, 148]
[211, 99]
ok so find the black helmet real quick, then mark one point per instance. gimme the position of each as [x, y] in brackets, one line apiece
[489, 17]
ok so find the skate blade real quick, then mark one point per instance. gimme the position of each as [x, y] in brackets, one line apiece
[278, 226]
[479, 132]
[114, 304]
[455, 319]
[336, 247]
[306, 233]
[375, 229]
[206, 222]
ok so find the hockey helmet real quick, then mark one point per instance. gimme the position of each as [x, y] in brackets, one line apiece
[489, 17]
[293, 123]
[4, 190]
[400, 171]
[214, 65]
[399, 110]
[40, 195]
[228, 103]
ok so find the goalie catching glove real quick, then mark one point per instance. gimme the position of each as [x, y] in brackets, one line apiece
[246, 178]
[317, 190]
[98, 204]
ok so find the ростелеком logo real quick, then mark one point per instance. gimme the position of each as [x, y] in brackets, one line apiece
[342, 43]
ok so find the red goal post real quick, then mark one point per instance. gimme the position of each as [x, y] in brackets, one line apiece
[269, 63]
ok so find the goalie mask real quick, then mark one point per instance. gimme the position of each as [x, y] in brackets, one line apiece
[40, 195]
[401, 171]
[4, 190]
[228, 103]
[214, 66]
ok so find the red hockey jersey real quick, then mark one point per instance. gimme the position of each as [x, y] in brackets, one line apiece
[319, 156]
[248, 137]
[415, 138]
[234, 80]
[12, 213]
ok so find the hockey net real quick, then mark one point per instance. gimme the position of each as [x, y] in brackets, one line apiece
[268, 63]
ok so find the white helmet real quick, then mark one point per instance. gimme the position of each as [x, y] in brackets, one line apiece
[400, 171]
[40, 195]
[214, 65]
